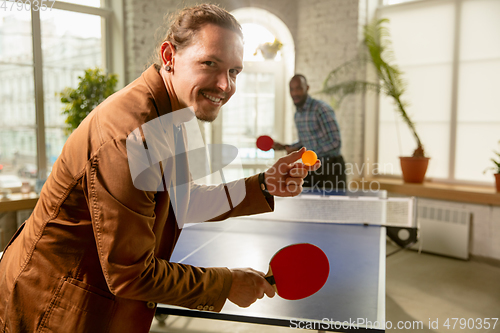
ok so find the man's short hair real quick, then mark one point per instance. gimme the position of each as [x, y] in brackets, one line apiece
[302, 77]
[183, 26]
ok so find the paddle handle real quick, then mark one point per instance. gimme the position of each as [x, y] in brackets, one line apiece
[270, 279]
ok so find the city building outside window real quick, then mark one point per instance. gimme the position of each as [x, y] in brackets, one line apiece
[42, 51]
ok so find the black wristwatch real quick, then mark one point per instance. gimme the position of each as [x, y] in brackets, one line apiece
[263, 186]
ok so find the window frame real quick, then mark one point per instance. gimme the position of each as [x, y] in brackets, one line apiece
[111, 13]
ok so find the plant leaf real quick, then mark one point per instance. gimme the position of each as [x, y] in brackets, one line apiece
[93, 88]
[349, 77]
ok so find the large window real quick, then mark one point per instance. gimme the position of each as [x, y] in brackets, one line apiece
[17, 96]
[42, 51]
[71, 43]
[450, 56]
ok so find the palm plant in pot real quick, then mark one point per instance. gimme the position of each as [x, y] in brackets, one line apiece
[349, 78]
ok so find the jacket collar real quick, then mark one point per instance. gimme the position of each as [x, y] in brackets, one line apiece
[157, 88]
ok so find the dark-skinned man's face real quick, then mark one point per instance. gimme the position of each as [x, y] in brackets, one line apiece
[298, 91]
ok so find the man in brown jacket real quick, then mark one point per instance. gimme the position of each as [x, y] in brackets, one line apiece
[94, 255]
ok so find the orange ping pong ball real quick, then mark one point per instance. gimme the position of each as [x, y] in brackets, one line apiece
[309, 157]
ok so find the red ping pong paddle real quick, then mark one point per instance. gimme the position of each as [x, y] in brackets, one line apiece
[298, 271]
[265, 142]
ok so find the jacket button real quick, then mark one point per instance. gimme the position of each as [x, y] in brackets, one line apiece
[211, 308]
[205, 307]
[200, 307]
[151, 305]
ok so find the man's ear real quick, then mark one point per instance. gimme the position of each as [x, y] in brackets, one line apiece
[167, 53]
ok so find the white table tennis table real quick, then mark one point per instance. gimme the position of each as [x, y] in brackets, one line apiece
[352, 300]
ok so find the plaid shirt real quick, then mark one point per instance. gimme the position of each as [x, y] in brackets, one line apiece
[317, 128]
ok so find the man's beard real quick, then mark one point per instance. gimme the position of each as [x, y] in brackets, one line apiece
[207, 117]
[301, 102]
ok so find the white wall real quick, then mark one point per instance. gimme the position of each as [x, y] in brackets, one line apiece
[143, 18]
[328, 35]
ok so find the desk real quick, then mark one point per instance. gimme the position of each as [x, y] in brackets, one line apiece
[19, 201]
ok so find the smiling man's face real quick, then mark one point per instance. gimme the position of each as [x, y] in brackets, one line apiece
[204, 75]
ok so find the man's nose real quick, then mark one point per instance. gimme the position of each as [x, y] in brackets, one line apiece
[224, 82]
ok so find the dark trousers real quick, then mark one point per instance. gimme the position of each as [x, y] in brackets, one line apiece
[329, 177]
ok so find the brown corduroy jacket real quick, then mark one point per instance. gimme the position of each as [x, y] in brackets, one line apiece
[94, 255]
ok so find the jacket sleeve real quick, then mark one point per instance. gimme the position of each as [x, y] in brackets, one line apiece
[216, 203]
[123, 220]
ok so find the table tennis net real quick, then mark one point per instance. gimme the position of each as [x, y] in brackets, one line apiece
[345, 209]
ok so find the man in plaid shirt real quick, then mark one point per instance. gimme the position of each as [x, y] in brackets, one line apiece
[318, 131]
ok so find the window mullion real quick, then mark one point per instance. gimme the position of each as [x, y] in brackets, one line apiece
[114, 41]
[454, 92]
[39, 103]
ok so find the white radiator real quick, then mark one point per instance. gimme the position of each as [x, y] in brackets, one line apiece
[443, 230]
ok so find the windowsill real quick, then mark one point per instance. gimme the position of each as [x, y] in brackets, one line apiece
[485, 195]
[18, 201]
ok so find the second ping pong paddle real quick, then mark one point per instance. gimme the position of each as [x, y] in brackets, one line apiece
[265, 142]
[298, 271]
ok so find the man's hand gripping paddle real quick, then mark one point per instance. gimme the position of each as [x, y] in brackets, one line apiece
[298, 271]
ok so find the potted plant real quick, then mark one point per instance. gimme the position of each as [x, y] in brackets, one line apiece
[93, 88]
[269, 50]
[348, 79]
[496, 169]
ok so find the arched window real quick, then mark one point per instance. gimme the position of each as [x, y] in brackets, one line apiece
[260, 104]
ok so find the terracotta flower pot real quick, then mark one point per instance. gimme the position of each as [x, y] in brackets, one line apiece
[497, 181]
[414, 168]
